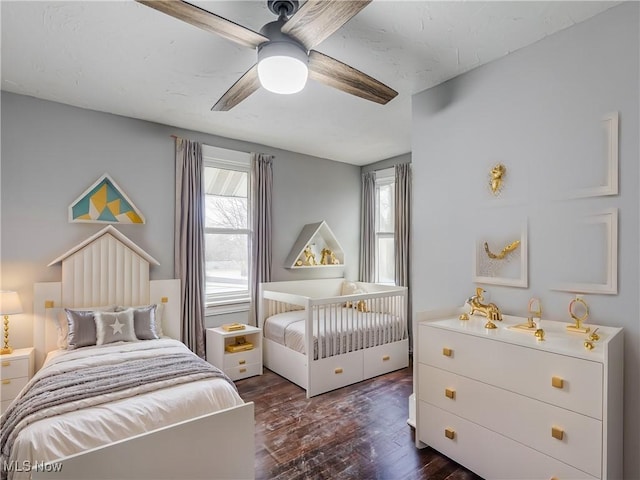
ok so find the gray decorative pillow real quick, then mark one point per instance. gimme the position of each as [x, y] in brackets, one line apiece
[62, 323]
[114, 327]
[81, 328]
[144, 321]
[140, 328]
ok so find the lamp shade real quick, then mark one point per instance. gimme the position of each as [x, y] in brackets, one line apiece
[9, 303]
[282, 67]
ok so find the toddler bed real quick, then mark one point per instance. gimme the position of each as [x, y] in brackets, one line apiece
[357, 331]
[118, 396]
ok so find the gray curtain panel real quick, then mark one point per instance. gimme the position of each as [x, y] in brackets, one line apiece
[402, 231]
[368, 228]
[261, 201]
[189, 242]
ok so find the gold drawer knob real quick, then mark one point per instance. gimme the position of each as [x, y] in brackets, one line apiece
[449, 433]
[449, 393]
[6, 382]
[241, 362]
[557, 433]
[337, 371]
[242, 370]
[447, 352]
[6, 364]
[386, 357]
[557, 382]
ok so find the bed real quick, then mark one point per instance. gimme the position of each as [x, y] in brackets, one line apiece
[145, 408]
[359, 331]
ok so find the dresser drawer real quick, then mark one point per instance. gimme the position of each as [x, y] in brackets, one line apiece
[11, 387]
[489, 454]
[244, 371]
[528, 371]
[520, 418]
[242, 358]
[14, 368]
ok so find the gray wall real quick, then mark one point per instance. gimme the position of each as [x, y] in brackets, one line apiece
[52, 152]
[538, 111]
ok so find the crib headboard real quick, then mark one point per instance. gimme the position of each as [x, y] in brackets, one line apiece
[105, 269]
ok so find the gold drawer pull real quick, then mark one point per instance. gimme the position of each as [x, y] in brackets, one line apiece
[6, 364]
[337, 370]
[449, 433]
[6, 382]
[557, 382]
[386, 357]
[447, 352]
[557, 433]
[241, 362]
[449, 393]
[242, 370]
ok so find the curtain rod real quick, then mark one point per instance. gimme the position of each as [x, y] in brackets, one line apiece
[214, 146]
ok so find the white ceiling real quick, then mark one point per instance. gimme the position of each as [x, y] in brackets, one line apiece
[128, 59]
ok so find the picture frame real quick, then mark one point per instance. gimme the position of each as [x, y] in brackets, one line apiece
[609, 185]
[500, 257]
[104, 202]
[608, 256]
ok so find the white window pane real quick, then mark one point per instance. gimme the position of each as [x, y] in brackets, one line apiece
[225, 212]
[226, 203]
[385, 261]
[225, 182]
[385, 210]
[227, 263]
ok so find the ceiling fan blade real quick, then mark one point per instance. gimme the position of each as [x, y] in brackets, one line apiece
[239, 91]
[317, 19]
[208, 21]
[336, 74]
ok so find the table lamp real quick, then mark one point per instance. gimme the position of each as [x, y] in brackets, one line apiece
[9, 305]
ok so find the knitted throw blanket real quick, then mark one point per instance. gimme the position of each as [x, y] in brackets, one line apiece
[90, 382]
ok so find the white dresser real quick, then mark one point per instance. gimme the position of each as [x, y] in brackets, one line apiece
[509, 406]
[238, 365]
[16, 369]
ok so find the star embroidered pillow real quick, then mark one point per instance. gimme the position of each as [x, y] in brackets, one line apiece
[115, 327]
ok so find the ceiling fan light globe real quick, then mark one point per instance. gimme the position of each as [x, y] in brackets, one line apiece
[284, 75]
[282, 67]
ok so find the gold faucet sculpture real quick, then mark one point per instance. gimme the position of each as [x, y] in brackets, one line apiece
[489, 310]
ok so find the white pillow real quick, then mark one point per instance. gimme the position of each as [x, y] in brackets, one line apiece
[115, 327]
[351, 288]
[63, 327]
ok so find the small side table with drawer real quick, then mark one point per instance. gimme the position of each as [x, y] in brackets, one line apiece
[237, 365]
[16, 369]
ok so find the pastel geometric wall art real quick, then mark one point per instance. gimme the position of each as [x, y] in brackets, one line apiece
[104, 202]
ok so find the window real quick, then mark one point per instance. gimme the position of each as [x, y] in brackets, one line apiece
[226, 227]
[385, 221]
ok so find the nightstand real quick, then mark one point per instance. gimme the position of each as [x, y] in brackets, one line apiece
[16, 369]
[240, 364]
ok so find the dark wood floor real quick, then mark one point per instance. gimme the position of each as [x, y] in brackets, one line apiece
[356, 432]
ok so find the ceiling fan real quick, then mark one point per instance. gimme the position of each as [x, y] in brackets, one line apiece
[284, 48]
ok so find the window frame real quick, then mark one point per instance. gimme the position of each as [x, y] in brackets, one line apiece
[384, 178]
[215, 157]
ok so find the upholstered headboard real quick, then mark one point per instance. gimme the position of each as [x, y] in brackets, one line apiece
[105, 269]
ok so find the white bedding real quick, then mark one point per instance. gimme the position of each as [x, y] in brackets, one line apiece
[68, 433]
[339, 329]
